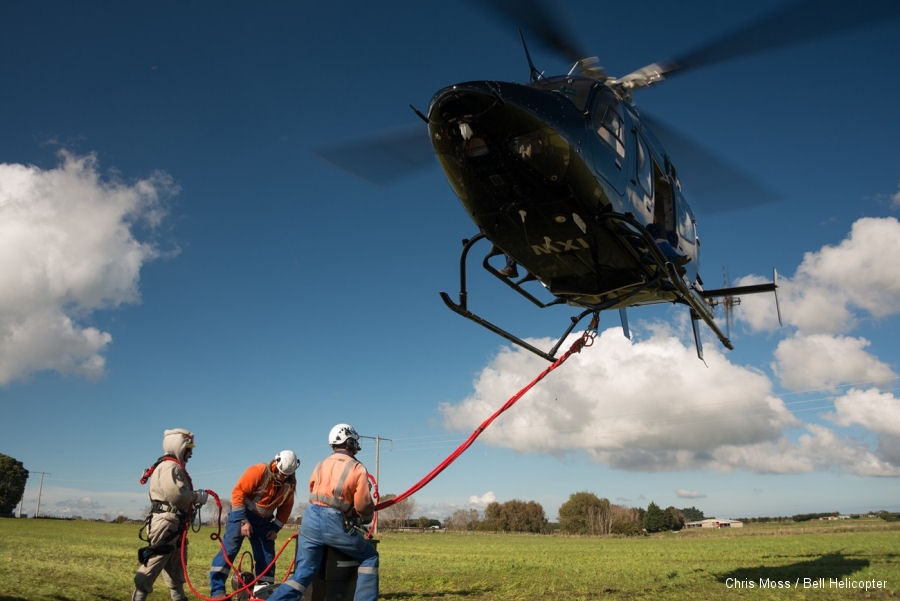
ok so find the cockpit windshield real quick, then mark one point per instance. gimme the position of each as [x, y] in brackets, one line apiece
[576, 89]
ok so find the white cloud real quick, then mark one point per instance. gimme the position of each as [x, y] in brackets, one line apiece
[67, 249]
[816, 361]
[877, 411]
[64, 501]
[480, 502]
[895, 200]
[825, 449]
[647, 405]
[689, 494]
[837, 285]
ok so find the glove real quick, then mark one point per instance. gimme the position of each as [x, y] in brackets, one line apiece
[202, 497]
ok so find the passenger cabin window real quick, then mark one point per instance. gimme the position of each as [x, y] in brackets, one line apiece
[644, 167]
[608, 121]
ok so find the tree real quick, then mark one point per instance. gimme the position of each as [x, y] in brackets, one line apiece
[654, 519]
[626, 521]
[514, 516]
[397, 514]
[672, 519]
[692, 514]
[13, 476]
[463, 519]
[585, 513]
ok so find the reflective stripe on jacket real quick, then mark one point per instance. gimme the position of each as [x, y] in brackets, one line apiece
[258, 492]
[341, 481]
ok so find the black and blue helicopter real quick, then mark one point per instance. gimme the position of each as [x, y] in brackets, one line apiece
[568, 181]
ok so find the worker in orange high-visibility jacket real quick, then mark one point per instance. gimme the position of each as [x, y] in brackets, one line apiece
[339, 497]
[261, 503]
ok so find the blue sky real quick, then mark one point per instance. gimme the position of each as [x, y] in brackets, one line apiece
[172, 254]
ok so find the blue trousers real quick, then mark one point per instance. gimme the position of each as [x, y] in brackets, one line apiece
[263, 551]
[321, 527]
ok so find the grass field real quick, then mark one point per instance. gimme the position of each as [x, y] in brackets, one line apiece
[49, 560]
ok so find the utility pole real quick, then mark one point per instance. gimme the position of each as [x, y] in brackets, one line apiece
[40, 490]
[378, 440]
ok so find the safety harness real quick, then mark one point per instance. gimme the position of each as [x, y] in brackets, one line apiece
[166, 545]
[287, 487]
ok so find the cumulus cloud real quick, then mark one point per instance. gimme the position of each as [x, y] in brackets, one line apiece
[647, 405]
[689, 494]
[876, 411]
[837, 285]
[650, 405]
[68, 248]
[811, 362]
[480, 502]
[823, 448]
[895, 200]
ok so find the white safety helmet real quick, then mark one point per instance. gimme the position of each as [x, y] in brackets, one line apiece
[341, 434]
[286, 461]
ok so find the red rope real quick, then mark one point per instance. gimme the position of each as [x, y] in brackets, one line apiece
[218, 536]
[585, 340]
[374, 496]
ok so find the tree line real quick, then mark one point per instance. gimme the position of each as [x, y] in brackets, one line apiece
[583, 513]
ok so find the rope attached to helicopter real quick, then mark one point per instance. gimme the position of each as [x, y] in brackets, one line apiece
[585, 340]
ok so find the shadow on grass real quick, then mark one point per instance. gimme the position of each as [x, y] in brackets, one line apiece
[832, 565]
[56, 598]
[434, 595]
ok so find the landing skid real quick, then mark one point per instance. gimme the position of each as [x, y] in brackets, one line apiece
[461, 307]
[659, 273]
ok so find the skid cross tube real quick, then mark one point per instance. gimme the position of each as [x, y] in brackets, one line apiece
[461, 307]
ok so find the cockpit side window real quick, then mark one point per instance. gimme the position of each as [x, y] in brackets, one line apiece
[576, 89]
[609, 122]
[644, 167]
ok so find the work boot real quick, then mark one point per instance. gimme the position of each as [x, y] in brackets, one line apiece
[509, 271]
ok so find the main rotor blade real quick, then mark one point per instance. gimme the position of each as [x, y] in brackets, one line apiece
[383, 157]
[537, 18]
[712, 185]
[797, 22]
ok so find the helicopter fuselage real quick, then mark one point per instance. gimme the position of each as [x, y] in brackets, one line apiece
[562, 176]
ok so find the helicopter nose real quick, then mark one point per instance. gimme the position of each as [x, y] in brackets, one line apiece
[492, 130]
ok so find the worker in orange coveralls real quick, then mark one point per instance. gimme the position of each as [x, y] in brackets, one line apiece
[339, 496]
[261, 502]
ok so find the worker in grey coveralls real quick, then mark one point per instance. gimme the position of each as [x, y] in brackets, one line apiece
[171, 496]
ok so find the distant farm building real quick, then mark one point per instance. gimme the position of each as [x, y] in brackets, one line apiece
[715, 523]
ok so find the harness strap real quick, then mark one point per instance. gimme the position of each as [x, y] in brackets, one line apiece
[149, 471]
[253, 505]
[163, 507]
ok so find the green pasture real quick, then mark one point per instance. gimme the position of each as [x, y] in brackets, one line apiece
[49, 560]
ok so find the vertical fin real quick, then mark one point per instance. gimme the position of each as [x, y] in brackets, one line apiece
[694, 319]
[623, 316]
[777, 304]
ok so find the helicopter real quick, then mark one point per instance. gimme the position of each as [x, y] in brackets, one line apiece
[567, 179]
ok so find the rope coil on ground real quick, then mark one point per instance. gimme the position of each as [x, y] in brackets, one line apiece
[218, 536]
